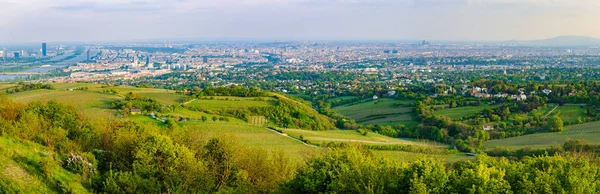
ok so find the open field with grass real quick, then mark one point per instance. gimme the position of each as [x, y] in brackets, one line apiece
[403, 119]
[408, 156]
[466, 111]
[230, 103]
[341, 98]
[319, 137]
[588, 132]
[22, 169]
[254, 136]
[4, 86]
[541, 111]
[92, 103]
[383, 111]
[570, 113]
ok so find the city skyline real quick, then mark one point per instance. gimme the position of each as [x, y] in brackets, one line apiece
[289, 20]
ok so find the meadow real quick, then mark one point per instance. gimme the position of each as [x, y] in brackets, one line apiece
[588, 132]
[91, 103]
[383, 111]
[224, 103]
[570, 113]
[95, 103]
[466, 111]
[320, 137]
[30, 168]
[253, 136]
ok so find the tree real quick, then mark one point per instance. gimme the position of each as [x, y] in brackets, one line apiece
[555, 123]
[204, 118]
[214, 118]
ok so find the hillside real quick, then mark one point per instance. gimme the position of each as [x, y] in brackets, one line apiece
[29, 167]
[588, 132]
[563, 41]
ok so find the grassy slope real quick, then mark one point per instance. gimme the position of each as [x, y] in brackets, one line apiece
[21, 169]
[570, 113]
[589, 132]
[381, 112]
[352, 136]
[253, 136]
[94, 101]
[319, 137]
[464, 111]
[232, 103]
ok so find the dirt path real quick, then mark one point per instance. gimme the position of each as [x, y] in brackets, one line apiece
[551, 111]
[283, 134]
[190, 101]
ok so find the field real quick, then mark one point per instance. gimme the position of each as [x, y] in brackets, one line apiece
[542, 110]
[570, 113]
[92, 103]
[253, 136]
[382, 111]
[4, 86]
[353, 136]
[95, 103]
[21, 169]
[223, 103]
[341, 98]
[588, 132]
[466, 111]
[319, 137]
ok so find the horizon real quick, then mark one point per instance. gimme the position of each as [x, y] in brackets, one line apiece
[295, 20]
[258, 40]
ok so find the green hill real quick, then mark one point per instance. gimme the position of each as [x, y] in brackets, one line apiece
[588, 132]
[27, 167]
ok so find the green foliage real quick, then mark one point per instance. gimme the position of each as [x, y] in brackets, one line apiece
[555, 123]
[133, 101]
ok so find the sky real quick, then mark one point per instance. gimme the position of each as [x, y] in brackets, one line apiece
[284, 20]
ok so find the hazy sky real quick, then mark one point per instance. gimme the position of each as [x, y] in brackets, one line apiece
[107, 20]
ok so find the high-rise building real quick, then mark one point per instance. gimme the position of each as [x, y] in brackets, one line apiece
[205, 59]
[44, 49]
[88, 55]
[16, 54]
[148, 61]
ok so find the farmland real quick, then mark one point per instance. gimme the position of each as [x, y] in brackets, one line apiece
[588, 132]
[223, 103]
[466, 111]
[570, 113]
[251, 135]
[92, 103]
[320, 137]
[384, 111]
[95, 103]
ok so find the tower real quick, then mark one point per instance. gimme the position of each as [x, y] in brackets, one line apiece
[147, 61]
[44, 49]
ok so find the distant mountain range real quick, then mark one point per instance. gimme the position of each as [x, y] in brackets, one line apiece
[559, 41]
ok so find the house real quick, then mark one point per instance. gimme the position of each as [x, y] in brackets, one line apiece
[519, 97]
[135, 111]
[391, 93]
[375, 97]
[482, 95]
[547, 91]
[487, 127]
